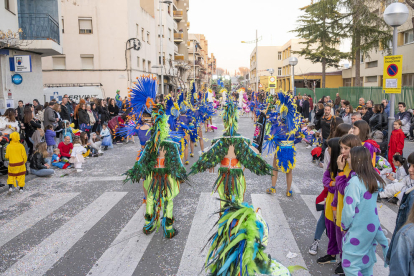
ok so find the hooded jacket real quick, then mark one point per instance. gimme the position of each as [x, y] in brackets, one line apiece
[16, 154]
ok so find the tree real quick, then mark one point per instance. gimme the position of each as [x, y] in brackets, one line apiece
[322, 28]
[220, 71]
[368, 30]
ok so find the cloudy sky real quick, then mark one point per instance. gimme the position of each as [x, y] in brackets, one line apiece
[225, 23]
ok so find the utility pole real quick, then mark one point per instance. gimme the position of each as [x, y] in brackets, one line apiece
[257, 65]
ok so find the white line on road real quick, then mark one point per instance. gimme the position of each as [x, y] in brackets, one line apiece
[41, 258]
[281, 240]
[379, 269]
[387, 217]
[193, 259]
[125, 252]
[33, 216]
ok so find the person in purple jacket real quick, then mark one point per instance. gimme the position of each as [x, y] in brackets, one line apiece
[50, 135]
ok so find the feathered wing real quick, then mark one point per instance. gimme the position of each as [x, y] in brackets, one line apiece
[288, 113]
[211, 157]
[250, 159]
[173, 162]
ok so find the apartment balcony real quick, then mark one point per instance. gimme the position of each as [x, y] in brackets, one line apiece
[188, 25]
[178, 15]
[178, 37]
[175, 49]
[179, 57]
[191, 51]
[42, 31]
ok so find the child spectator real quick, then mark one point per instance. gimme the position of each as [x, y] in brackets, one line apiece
[383, 166]
[16, 154]
[85, 143]
[76, 157]
[67, 131]
[309, 136]
[396, 144]
[38, 164]
[317, 151]
[106, 137]
[360, 218]
[399, 180]
[56, 160]
[65, 148]
[50, 135]
[130, 137]
[95, 144]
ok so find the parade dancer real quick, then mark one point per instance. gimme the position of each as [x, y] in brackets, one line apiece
[185, 124]
[281, 140]
[161, 167]
[238, 246]
[231, 151]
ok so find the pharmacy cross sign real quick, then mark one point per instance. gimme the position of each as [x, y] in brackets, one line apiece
[392, 70]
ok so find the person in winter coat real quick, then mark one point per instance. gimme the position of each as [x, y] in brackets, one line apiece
[50, 135]
[396, 144]
[103, 111]
[65, 148]
[16, 154]
[113, 108]
[38, 164]
[49, 116]
[30, 126]
[305, 107]
[405, 118]
[83, 118]
[64, 110]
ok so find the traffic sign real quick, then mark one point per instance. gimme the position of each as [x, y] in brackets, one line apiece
[260, 86]
[392, 74]
[272, 82]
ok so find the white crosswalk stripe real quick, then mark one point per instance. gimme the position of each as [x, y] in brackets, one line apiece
[29, 218]
[281, 239]
[40, 259]
[125, 252]
[379, 268]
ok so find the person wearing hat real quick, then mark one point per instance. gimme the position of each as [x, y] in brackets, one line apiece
[16, 154]
[118, 99]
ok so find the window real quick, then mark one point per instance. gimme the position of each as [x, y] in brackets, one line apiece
[63, 26]
[137, 31]
[362, 58]
[59, 63]
[279, 56]
[371, 64]
[169, 34]
[279, 70]
[87, 62]
[149, 66]
[138, 64]
[348, 82]
[85, 25]
[7, 4]
[142, 34]
[371, 79]
[144, 68]
[408, 79]
[409, 36]
[148, 37]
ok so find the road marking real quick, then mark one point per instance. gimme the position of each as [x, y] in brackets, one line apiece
[85, 179]
[193, 258]
[125, 252]
[281, 240]
[33, 216]
[379, 268]
[387, 217]
[41, 258]
[295, 188]
[15, 198]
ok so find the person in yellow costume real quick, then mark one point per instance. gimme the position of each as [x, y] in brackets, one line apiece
[16, 154]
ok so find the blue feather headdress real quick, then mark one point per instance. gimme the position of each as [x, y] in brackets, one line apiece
[288, 114]
[142, 96]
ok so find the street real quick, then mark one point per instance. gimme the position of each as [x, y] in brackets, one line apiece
[90, 223]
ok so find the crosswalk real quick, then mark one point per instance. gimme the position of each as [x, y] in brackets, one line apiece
[123, 254]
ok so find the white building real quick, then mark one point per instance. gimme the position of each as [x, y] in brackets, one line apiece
[98, 44]
[35, 24]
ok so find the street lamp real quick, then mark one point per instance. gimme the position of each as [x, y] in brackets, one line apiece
[293, 61]
[257, 60]
[394, 15]
[161, 40]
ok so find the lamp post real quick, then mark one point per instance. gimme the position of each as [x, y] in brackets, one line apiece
[161, 41]
[293, 61]
[394, 15]
[257, 60]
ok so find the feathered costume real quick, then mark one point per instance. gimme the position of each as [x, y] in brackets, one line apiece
[237, 248]
[141, 98]
[161, 167]
[284, 129]
[231, 181]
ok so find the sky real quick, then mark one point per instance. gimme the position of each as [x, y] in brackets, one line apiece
[226, 23]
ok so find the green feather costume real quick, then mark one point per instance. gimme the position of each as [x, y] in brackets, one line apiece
[231, 181]
[162, 176]
[237, 248]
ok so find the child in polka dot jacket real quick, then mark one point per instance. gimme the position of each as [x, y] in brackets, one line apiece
[360, 219]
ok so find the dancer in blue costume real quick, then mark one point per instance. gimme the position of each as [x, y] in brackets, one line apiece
[185, 123]
[360, 219]
[173, 113]
[281, 139]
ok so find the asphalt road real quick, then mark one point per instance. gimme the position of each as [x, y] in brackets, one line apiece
[90, 223]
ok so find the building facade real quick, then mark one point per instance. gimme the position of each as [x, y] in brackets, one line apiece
[100, 39]
[29, 30]
[277, 58]
[372, 65]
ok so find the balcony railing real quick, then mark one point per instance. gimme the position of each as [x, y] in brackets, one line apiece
[178, 15]
[38, 26]
[178, 37]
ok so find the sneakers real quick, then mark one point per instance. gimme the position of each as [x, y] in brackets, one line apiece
[21, 190]
[339, 270]
[10, 191]
[271, 190]
[327, 259]
[308, 147]
[289, 194]
[313, 250]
